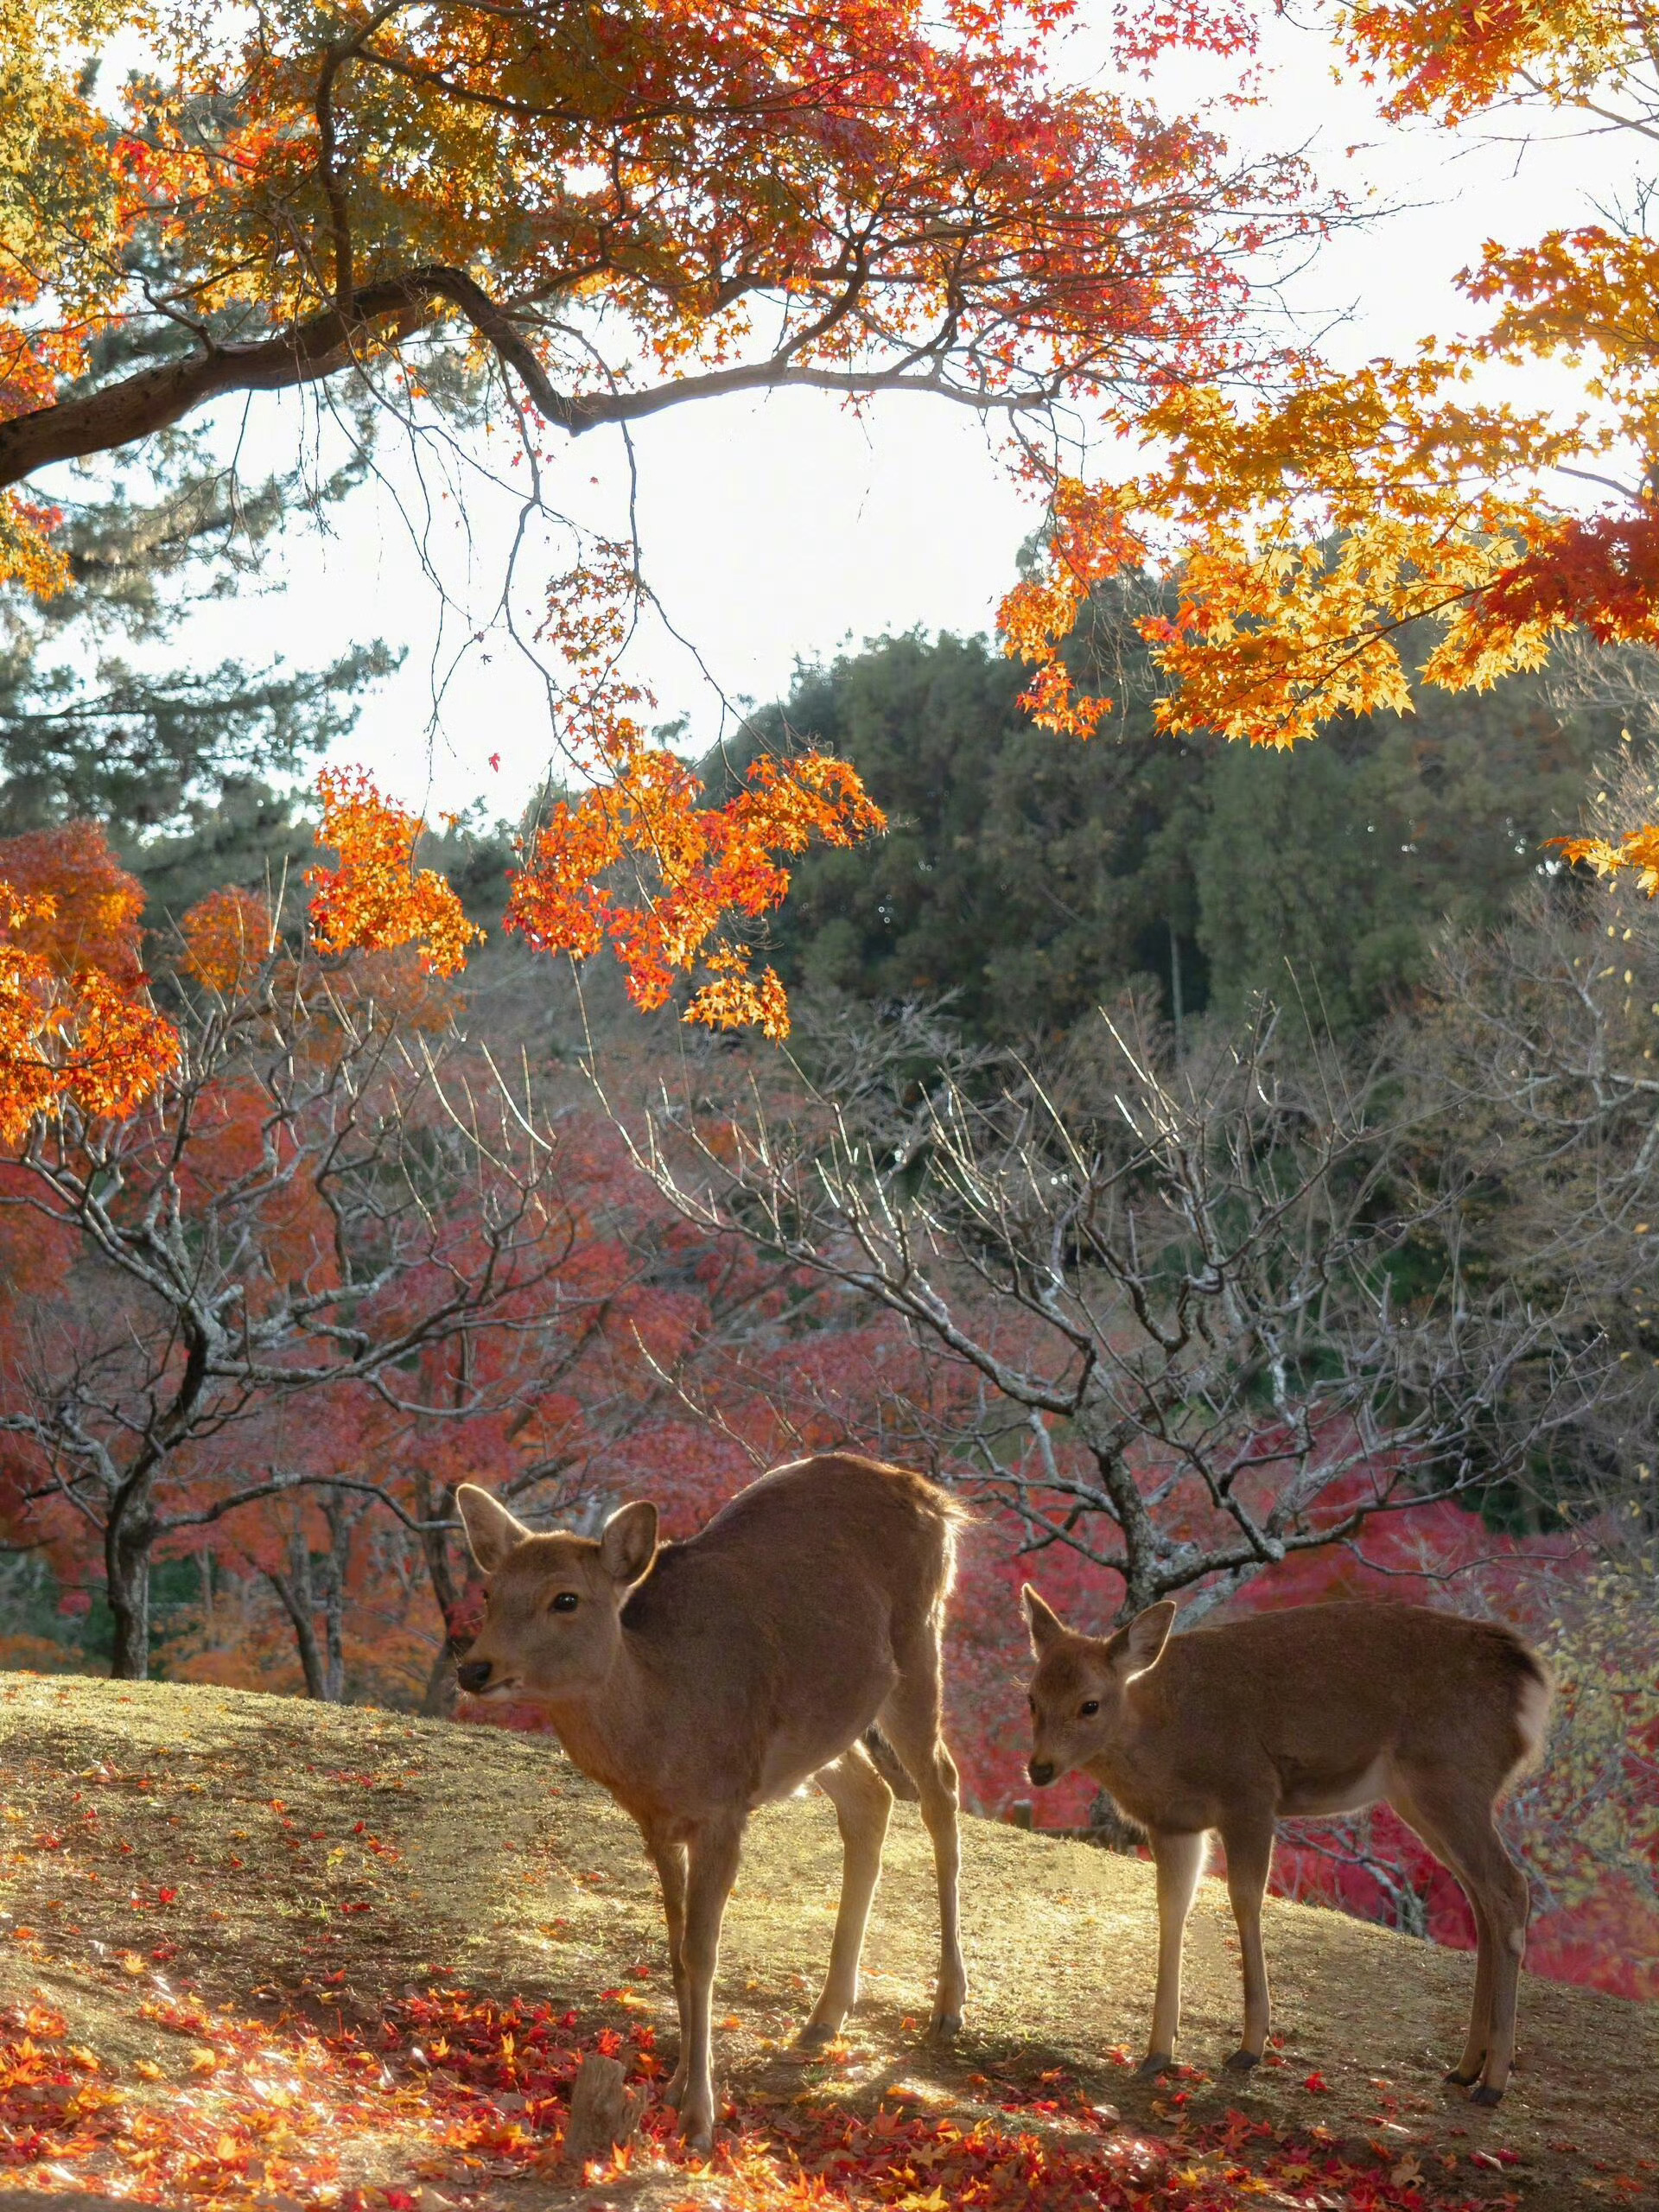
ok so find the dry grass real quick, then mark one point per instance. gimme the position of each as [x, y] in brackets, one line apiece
[513, 1876]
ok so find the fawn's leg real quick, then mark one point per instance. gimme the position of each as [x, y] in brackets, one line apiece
[713, 1853]
[1508, 1907]
[1180, 1861]
[1454, 1819]
[1249, 1857]
[910, 1721]
[669, 1858]
[863, 1802]
[1467, 2070]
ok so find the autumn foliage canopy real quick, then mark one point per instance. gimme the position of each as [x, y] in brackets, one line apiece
[596, 218]
[600, 217]
[577, 221]
[1311, 524]
[74, 1026]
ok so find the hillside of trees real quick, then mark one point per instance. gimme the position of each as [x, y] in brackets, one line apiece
[1458, 1092]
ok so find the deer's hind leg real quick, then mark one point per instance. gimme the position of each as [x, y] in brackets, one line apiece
[1467, 2070]
[910, 1722]
[862, 1802]
[1455, 1822]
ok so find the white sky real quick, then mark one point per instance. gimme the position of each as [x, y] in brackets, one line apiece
[783, 528]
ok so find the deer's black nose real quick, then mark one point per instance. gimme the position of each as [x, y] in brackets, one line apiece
[1041, 1771]
[473, 1674]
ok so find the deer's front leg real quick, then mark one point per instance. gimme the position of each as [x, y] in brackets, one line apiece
[1180, 1861]
[714, 1853]
[669, 1858]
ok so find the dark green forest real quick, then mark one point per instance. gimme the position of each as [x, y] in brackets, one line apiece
[1031, 878]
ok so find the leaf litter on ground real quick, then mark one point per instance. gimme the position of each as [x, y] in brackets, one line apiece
[259, 1953]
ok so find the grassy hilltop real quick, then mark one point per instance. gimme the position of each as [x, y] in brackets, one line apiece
[259, 1951]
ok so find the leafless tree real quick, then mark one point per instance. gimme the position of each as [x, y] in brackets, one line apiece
[1178, 1300]
[317, 1198]
[1622, 680]
[1539, 1044]
[1349, 1846]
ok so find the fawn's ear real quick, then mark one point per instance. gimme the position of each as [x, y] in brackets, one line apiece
[1138, 1647]
[627, 1543]
[1047, 1627]
[491, 1529]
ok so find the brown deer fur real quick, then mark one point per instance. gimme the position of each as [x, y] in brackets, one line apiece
[696, 1681]
[1315, 1709]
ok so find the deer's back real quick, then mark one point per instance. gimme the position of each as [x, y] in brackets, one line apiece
[1320, 1704]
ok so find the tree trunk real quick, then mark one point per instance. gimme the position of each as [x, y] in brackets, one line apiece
[439, 1701]
[127, 1540]
[129, 1531]
[341, 1525]
[438, 1698]
[334, 1623]
[293, 1588]
[1136, 1525]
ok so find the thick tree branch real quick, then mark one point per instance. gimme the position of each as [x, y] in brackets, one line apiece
[386, 313]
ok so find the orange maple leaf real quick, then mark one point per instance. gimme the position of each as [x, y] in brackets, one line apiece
[376, 898]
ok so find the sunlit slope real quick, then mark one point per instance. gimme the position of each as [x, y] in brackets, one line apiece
[269, 1852]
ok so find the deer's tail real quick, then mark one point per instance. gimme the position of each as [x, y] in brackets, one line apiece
[1533, 1691]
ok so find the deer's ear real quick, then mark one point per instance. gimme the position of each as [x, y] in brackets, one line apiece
[491, 1529]
[627, 1543]
[1140, 1646]
[1045, 1625]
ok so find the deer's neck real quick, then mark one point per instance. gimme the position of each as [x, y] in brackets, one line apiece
[1133, 1766]
[619, 1732]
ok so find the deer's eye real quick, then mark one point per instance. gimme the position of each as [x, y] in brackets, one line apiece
[1089, 1706]
[565, 1602]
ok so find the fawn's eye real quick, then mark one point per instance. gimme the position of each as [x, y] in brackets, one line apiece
[565, 1602]
[1089, 1706]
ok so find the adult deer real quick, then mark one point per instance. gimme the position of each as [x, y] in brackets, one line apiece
[696, 1681]
[1316, 1709]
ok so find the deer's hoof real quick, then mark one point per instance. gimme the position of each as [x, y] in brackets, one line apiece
[945, 2027]
[1155, 2063]
[1485, 2094]
[697, 2128]
[674, 2093]
[1241, 2061]
[815, 2035]
[1459, 2079]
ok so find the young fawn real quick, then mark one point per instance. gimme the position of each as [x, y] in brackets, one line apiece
[1317, 1709]
[696, 1681]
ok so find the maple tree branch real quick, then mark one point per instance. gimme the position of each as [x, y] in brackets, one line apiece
[388, 311]
[767, 376]
[283, 1484]
[1211, 1247]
